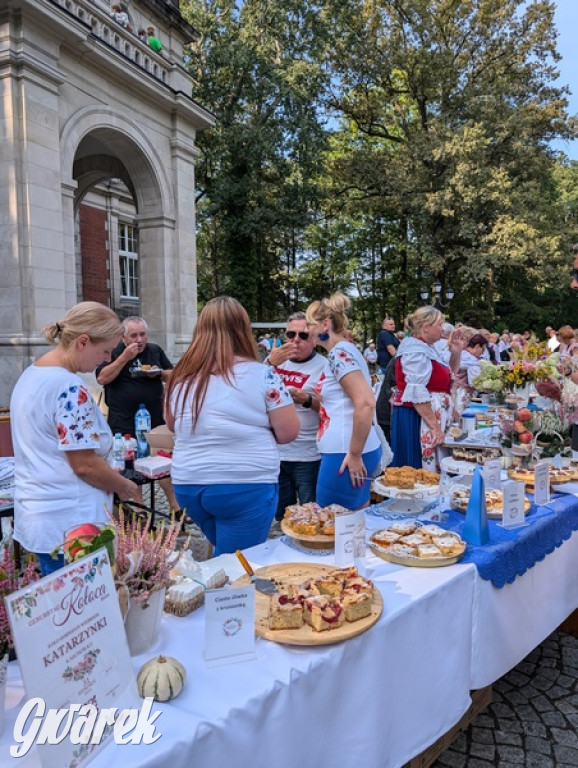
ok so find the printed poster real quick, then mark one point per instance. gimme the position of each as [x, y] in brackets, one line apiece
[71, 645]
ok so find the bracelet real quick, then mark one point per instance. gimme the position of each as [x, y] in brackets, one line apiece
[309, 402]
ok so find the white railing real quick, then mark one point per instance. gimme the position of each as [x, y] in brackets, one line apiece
[122, 40]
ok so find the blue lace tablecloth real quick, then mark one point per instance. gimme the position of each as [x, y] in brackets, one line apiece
[511, 552]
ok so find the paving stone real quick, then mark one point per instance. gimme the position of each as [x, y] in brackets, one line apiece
[475, 763]
[534, 729]
[529, 691]
[528, 713]
[509, 726]
[483, 721]
[548, 673]
[566, 681]
[542, 683]
[566, 707]
[501, 709]
[567, 737]
[452, 759]
[564, 754]
[570, 657]
[534, 744]
[483, 751]
[511, 754]
[461, 743]
[503, 737]
[542, 704]
[525, 667]
[557, 692]
[482, 735]
[554, 719]
[518, 679]
[537, 760]
[515, 698]
[550, 662]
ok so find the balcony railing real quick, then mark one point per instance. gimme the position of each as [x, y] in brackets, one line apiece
[117, 37]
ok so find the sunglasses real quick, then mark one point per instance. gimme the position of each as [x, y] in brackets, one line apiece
[303, 335]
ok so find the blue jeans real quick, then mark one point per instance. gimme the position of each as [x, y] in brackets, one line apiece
[235, 516]
[48, 564]
[297, 481]
[333, 488]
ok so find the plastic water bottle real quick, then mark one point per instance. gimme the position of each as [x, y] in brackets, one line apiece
[142, 424]
[129, 451]
[118, 452]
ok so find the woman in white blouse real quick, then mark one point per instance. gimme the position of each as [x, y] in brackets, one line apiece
[228, 412]
[347, 441]
[423, 404]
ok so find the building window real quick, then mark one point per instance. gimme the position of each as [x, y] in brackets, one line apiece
[128, 258]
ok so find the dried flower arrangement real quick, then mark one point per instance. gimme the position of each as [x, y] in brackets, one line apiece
[144, 557]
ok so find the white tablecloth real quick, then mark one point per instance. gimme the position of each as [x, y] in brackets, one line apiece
[382, 697]
[510, 622]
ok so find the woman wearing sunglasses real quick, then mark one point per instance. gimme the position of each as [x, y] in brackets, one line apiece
[300, 367]
[349, 445]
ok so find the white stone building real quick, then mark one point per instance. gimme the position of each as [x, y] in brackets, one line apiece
[92, 119]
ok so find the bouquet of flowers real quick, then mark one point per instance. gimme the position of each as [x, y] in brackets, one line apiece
[144, 557]
[521, 373]
[10, 581]
[490, 379]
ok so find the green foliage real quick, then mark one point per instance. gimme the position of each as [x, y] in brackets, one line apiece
[435, 162]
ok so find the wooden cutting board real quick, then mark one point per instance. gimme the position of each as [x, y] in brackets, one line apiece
[296, 573]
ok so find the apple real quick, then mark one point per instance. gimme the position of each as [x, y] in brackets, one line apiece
[526, 437]
[524, 414]
[519, 427]
[74, 538]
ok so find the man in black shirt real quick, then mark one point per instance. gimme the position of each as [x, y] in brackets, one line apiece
[126, 388]
[127, 385]
[387, 343]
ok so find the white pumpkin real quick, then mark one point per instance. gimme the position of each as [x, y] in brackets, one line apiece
[162, 678]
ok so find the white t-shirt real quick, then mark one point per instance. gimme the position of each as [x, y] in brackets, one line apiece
[52, 412]
[233, 441]
[302, 375]
[336, 412]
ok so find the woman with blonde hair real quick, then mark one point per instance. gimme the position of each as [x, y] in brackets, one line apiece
[62, 443]
[423, 405]
[228, 412]
[347, 441]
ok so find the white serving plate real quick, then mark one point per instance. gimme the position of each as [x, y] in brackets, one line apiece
[419, 492]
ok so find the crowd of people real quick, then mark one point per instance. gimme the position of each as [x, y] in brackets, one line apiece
[258, 427]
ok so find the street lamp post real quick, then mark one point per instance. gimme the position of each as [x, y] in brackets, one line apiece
[448, 295]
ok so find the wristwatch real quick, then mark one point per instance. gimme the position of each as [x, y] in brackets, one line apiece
[309, 402]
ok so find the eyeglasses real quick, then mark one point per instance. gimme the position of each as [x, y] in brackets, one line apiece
[303, 335]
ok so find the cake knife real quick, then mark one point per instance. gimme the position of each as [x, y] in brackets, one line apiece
[266, 586]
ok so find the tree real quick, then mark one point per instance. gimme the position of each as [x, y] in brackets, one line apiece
[256, 68]
[458, 101]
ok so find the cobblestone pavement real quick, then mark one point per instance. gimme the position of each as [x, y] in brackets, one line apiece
[532, 721]
[533, 718]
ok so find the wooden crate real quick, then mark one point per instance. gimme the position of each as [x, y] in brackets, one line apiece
[481, 699]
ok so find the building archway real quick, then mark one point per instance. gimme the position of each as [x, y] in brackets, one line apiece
[87, 103]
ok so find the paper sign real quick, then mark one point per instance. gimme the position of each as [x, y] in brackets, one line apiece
[230, 624]
[349, 537]
[542, 483]
[72, 649]
[513, 514]
[492, 474]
